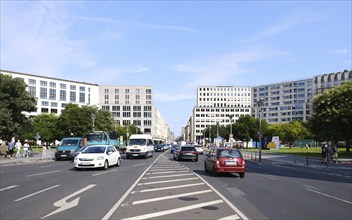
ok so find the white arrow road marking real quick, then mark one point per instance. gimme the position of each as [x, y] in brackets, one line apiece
[67, 205]
[9, 187]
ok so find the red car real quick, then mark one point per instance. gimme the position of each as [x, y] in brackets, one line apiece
[225, 160]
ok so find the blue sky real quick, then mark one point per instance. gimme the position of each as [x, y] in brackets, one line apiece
[176, 46]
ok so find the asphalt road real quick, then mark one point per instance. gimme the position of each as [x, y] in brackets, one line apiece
[160, 188]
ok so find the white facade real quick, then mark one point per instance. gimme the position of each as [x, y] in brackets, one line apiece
[330, 80]
[215, 104]
[128, 104]
[53, 94]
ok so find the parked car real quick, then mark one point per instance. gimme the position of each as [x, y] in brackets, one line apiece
[186, 153]
[225, 160]
[199, 149]
[159, 147]
[68, 147]
[97, 156]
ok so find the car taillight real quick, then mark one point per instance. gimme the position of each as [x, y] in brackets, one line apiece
[217, 162]
[195, 152]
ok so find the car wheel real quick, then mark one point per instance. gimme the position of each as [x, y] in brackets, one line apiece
[106, 165]
[241, 175]
[118, 162]
[127, 157]
[215, 173]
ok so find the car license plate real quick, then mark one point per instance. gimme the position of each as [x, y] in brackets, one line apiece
[230, 162]
[190, 154]
[135, 155]
[63, 155]
[85, 163]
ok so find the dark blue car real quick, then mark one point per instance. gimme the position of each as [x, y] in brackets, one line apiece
[173, 148]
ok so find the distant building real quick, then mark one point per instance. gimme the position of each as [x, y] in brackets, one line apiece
[128, 104]
[330, 80]
[284, 102]
[215, 105]
[53, 94]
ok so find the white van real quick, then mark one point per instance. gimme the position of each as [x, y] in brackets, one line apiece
[140, 145]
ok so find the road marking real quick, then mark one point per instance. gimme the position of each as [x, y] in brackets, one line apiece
[33, 194]
[172, 211]
[171, 187]
[224, 198]
[136, 165]
[118, 203]
[342, 200]
[63, 205]
[103, 172]
[155, 177]
[9, 187]
[232, 217]
[267, 176]
[167, 181]
[182, 171]
[52, 165]
[311, 187]
[38, 174]
[170, 197]
[169, 169]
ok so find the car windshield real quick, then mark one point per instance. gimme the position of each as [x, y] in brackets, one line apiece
[137, 142]
[95, 137]
[229, 153]
[68, 142]
[95, 150]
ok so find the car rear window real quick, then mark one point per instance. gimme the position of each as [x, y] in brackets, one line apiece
[229, 153]
[188, 149]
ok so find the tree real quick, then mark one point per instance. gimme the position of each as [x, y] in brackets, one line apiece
[288, 132]
[332, 115]
[46, 126]
[14, 99]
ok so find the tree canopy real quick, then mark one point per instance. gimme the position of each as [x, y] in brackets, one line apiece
[14, 100]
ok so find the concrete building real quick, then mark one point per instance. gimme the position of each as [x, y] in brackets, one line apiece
[53, 94]
[284, 102]
[128, 104]
[330, 80]
[214, 106]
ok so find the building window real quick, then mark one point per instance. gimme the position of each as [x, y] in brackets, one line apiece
[62, 86]
[73, 87]
[127, 97]
[117, 91]
[52, 84]
[43, 93]
[147, 122]
[45, 110]
[106, 91]
[137, 114]
[53, 110]
[52, 94]
[62, 95]
[72, 96]
[32, 91]
[54, 104]
[32, 82]
[148, 91]
[44, 103]
[43, 83]
[138, 97]
[137, 122]
[115, 108]
[147, 114]
[82, 89]
[147, 108]
[127, 91]
[148, 97]
[126, 114]
[105, 108]
[137, 108]
[126, 122]
[138, 91]
[106, 97]
[82, 97]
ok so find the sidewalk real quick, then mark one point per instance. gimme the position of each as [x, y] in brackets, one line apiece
[37, 157]
[292, 159]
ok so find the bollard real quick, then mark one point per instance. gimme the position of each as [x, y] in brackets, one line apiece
[295, 159]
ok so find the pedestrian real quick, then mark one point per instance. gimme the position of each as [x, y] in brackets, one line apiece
[3, 148]
[10, 147]
[323, 153]
[335, 155]
[44, 152]
[25, 148]
[18, 146]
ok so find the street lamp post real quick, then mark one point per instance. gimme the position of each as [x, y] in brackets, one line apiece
[260, 103]
[93, 118]
[231, 135]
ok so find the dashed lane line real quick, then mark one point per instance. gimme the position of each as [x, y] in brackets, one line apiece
[97, 174]
[33, 194]
[333, 197]
[38, 174]
[9, 187]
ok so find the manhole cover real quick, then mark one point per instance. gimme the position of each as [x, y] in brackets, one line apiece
[188, 198]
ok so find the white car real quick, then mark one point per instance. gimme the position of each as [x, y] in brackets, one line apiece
[96, 156]
[199, 149]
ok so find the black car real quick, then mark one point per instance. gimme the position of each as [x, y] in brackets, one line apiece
[186, 153]
[159, 147]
